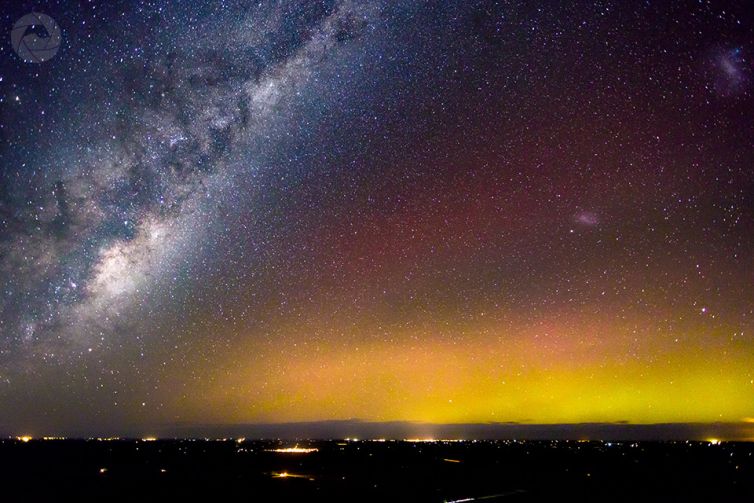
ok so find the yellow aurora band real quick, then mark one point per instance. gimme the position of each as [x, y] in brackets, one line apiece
[575, 371]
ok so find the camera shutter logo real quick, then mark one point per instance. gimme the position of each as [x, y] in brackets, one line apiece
[31, 47]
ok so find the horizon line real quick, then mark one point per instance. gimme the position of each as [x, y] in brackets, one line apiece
[402, 430]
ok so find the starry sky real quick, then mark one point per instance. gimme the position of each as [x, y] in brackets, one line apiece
[470, 211]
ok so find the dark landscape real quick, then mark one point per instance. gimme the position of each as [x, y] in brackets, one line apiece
[378, 470]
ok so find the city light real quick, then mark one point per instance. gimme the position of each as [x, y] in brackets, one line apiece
[294, 450]
[288, 475]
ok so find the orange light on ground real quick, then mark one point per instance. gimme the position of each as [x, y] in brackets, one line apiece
[287, 475]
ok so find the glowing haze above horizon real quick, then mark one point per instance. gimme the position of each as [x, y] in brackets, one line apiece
[444, 212]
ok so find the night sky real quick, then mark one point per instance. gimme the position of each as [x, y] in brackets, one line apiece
[435, 211]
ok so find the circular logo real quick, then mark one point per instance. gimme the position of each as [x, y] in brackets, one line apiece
[27, 42]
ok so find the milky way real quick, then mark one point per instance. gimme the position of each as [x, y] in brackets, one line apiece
[232, 212]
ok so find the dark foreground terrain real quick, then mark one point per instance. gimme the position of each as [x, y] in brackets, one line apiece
[216, 470]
